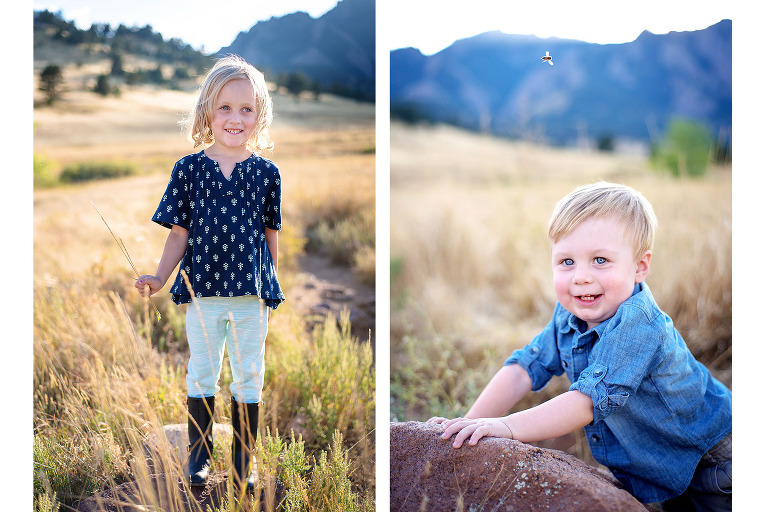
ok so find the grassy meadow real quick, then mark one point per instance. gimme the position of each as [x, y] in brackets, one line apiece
[470, 265]
[108, 375]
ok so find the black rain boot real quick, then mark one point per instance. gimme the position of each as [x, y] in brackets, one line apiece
[200, 428]
[245, 422]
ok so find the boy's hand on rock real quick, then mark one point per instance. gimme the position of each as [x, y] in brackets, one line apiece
[475, 429]
[437, 420]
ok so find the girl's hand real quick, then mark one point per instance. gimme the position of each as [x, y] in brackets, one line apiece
[437, 420]
[475, 429]
[148, 285]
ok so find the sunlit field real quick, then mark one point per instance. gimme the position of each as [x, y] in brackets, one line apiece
[108, 375]
[470, 265]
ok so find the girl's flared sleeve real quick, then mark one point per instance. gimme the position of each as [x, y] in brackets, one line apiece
[174, 207]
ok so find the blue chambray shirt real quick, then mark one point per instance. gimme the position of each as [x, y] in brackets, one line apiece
[657, 410]
[227, 253]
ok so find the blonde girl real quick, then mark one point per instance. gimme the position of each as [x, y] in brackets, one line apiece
[222, 206]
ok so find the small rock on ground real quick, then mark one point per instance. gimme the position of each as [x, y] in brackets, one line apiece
[163, 485]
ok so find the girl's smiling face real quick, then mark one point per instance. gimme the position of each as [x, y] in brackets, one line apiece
[234, 116]
[595, 269]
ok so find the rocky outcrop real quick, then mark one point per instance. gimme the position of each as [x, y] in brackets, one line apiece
[426, 473]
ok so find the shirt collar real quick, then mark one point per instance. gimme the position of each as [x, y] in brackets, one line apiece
[573, 323]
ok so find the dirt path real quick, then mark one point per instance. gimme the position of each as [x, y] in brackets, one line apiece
[324, 288]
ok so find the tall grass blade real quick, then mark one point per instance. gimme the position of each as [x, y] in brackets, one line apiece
[121, 245]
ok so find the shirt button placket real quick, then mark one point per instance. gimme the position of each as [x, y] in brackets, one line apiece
[579, 362]
[595, 440]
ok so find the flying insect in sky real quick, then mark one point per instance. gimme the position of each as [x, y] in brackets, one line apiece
[547, 58]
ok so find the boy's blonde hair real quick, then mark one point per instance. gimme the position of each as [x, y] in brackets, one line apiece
[232, 67]
[601, 200]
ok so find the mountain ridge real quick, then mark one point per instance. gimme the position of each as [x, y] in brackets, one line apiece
[495, 82]
[336, 50]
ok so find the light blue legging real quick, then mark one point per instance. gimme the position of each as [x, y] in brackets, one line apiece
[241, 324]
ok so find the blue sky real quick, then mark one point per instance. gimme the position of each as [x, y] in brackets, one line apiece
[431, 26]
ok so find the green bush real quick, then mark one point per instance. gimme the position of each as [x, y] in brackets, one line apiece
[344, 238]
[42, 174]
[96, 171]
[685, 150]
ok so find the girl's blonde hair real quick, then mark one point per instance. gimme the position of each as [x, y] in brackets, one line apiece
[232, 67]
[601, 200]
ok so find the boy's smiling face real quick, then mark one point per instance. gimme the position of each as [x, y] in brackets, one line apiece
[595, 269]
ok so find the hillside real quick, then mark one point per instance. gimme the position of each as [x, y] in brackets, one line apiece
[334, 53]
[497, 83]
[135, 55]
[336, 50]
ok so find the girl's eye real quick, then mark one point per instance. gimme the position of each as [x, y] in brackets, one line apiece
[224, 107]
[600, 260]
[247, 109]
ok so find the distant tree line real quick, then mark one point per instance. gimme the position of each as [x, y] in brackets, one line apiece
[296, 82]
[174, 60]
[121, 39]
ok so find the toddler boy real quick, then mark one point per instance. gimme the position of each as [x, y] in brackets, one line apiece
[651, 413]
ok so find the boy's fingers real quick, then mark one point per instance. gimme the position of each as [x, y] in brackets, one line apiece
[448, 422]
[468, 431]
[451, 427]
[462, 435]
[478, 434]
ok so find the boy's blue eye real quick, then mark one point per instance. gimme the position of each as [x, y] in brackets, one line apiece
[568, 262]
[600, 260]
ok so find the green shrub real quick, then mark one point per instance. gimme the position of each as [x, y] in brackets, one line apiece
[344, 238]
[686, 149]
[88, 171]
[46, 503]
[42, 172]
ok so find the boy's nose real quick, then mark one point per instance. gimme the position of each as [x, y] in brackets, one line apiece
[582, 275]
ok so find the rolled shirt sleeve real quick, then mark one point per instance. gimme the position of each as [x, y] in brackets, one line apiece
[540, 358]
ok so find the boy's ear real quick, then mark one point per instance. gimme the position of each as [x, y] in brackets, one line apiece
[643, 267]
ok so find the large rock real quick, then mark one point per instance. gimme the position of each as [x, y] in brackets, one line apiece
[174, 439]
[427, 473]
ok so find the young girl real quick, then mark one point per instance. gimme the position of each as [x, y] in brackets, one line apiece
[222, 206]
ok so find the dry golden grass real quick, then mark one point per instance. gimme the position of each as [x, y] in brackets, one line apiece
[471, 265]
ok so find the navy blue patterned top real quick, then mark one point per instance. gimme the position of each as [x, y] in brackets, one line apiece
[227, 253]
